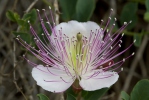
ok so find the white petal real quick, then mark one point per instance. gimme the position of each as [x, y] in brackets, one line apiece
[49, 78]
[99, 81]
[71, 28]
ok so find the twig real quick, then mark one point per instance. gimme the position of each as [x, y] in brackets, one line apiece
[14, 50]
[31, 5]
[56, 12]
[20, 90]
[14, 59]
[113, 6]
[15, 3]
[143, 68]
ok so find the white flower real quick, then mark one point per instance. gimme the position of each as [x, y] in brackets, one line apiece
[80, 51]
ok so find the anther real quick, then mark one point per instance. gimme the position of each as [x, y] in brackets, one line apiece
[123, 59]
[17, 38]
[102, 42]
[115, 19]
[125, 23]
[123, 34]
[43, 9]
[111, 39]
[109, 63]
[122, 69]
[130, 21]
[111, 47]
[102, 58]
[121, 41]
[111, 9]
[134, 41]
[132, 53]
[107, 30]
[119, 45]
[37, 10]
[49, 7]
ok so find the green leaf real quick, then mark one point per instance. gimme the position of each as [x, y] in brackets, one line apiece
[147, 5]
[42, 97]
[94, 95]
[25, 36]
[21, 22]
[12, 16]
[84, 10]
[129, 13]
[146, 16]
[31, 16]
[68, 9]
[70, 97]
[140, 90]
[138, 38]
[124, 95]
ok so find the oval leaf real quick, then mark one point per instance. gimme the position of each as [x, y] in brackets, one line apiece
[138, 38]
[31, 16]
[12, 16]
[124, 95]
[68, 9]
[25, 36]
[42, 97]
[146, 16]
[94, 95]
[70, 97]
[129, 13]
[84, 10]
[140, 90]
[147, 5]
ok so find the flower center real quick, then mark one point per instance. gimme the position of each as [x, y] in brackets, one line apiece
[78, 55]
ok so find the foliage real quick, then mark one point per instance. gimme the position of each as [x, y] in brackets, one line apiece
[22, 23]
[42, 97]
[77, 9]
[139, 92]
